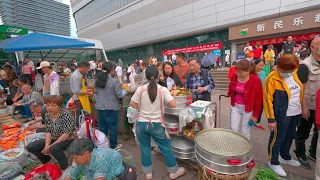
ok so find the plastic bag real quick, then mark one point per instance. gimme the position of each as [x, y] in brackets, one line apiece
[98, 138]
[185, 116]
[9, 170]
[132, 115]
[208, 119]
[33, 137]
[18, 156]
[10, 109]
[49, 171]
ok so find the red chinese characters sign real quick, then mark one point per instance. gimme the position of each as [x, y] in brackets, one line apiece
[280, 40]
[192, 49]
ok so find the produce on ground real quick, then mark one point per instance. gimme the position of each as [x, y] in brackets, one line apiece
[266, 174]
[8, 144]
[12, 154]
[10, 126]
[11, 137]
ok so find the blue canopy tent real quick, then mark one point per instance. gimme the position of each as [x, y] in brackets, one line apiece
[39, 41]
[52, 45]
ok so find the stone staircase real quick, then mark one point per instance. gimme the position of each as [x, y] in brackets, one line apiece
[220, 78]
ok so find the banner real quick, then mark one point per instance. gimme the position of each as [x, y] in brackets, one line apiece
[280, 40]
[192, 49]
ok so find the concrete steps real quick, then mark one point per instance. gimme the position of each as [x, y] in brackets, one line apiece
[220, 78]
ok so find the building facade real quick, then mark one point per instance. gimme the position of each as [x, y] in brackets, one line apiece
[46, 16]
[144, 27]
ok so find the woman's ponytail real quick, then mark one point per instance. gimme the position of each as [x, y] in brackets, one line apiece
[152, 90]
[152, 74]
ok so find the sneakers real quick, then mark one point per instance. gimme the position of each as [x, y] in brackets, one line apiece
[291, 162]
[304, 163]
[149, 176]
[179, 173]
[311, 156]
[118, 147]
[277, 169]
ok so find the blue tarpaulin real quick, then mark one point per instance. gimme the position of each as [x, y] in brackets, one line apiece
[39, 41]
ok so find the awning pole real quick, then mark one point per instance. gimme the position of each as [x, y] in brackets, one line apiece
[41, 55]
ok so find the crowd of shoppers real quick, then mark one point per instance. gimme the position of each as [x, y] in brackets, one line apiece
[288, 95]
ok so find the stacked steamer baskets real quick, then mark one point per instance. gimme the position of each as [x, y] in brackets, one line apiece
[223, 154]
[182, 147]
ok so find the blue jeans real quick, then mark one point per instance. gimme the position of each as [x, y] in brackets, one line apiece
[25, 110]
[147, 130]
[108, 121]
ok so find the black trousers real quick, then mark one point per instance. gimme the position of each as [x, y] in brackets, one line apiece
[57, 151]
[303, 132]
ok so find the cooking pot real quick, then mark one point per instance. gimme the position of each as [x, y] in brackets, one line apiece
[182, 147]
[172, 123]
[224, 151]
[172, 111]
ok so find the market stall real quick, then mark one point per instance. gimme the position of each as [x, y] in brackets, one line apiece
[14, 139]
[183, 122]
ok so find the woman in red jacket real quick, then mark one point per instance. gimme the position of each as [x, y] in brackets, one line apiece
[232, 70]
[245, 90]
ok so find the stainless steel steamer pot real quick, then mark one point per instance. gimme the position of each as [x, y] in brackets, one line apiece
[182, 103]
[172, 123]
[224, 151]
[182, 147]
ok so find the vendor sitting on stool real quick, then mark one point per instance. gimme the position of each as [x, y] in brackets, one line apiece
[98, 163]
[39, 112]
[24, 103]
[60, 132]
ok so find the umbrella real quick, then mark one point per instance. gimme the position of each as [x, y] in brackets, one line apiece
[38, 41]
[208, 60]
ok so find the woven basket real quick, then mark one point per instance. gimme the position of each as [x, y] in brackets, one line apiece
[206, 174]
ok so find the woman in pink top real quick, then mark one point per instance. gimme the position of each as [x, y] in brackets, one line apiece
[26, 73]
[245, 90]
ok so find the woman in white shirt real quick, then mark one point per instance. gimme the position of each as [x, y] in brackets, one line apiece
[149, 99]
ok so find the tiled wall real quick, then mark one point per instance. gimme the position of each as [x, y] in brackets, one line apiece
[147, 21]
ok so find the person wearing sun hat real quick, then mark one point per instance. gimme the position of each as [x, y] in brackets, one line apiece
[50, 80]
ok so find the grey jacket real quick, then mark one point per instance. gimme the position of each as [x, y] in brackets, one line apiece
[107, 98]
[33, 96]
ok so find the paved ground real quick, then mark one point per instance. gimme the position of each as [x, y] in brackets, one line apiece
[259, 140]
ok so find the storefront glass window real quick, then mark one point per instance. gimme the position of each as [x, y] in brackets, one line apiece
[129, 55]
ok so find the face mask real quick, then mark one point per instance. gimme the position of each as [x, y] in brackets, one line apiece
[286, 75]
[318, 52]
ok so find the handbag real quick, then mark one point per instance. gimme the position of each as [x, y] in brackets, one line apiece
[128, 173]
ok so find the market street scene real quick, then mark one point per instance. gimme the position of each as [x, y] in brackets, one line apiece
[159, 89]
